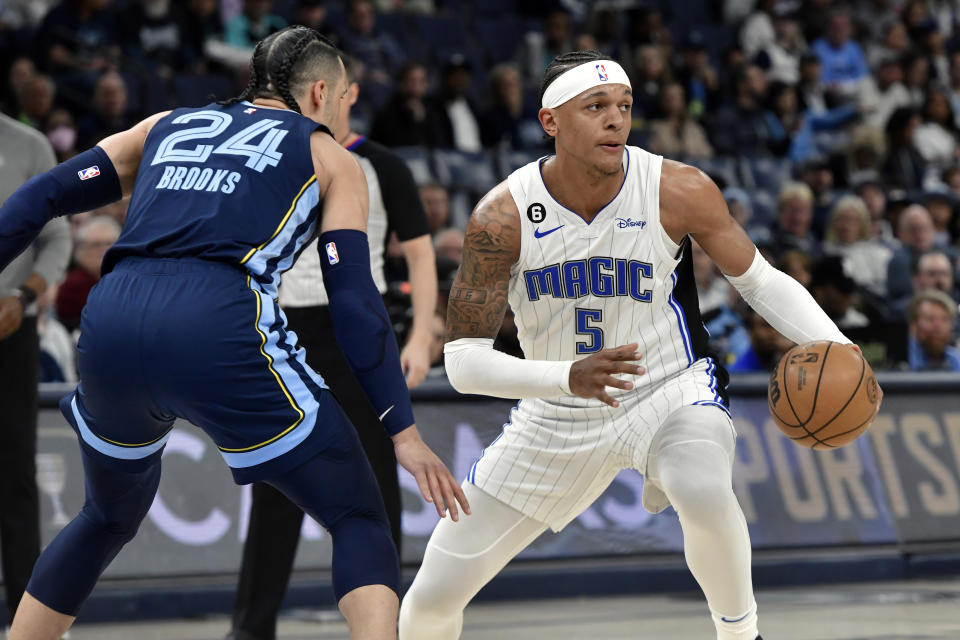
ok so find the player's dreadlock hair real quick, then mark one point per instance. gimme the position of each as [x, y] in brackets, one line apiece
[284, 61]
[565, 62]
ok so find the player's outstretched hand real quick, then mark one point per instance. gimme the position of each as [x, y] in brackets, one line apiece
[590, 377]
[434, 479]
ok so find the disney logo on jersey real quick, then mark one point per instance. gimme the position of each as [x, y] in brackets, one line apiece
[629, 223]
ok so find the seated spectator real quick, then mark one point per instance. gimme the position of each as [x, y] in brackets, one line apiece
[844, 64]
[20, 72]
[916, 77]
[314, 14]
[744, 127]
[849, 236]
[903, 167]
[781, 57]
[508, 123]
[801, 132]
[766, 345]
[448, 243]
[199, 22]
[253, 24]
[884, 93]
[403, 122]
[798, 266]
[62, 52]
[933, 48]
[725, 328]
[916, 234]
[62, 134]
[436, 204]
[379, 53]
[864, 154]
[936, 137]
[893, 43]
[834, 290]
[540, 46]
[794, 219]
[697, 75]
[58, 349]
[651, 74]
[151, 36]
[93, 239]
[874, 196]
[932, 315]
[451, 109]
[676, 134]
[109, 114]
[36, 101]
[941, 206]
[758, 30]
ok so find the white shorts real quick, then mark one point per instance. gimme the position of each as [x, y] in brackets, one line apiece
[554, 458]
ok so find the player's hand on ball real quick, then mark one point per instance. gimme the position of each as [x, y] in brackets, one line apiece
[590, 377]
[434, 479]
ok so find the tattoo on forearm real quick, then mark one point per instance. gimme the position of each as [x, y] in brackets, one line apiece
[478, 298]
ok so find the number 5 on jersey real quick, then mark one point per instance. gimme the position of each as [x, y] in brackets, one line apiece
[585, 327]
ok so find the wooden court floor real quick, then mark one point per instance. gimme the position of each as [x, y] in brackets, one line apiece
[919, 610]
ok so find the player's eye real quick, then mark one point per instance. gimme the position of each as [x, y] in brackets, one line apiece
[594, 107]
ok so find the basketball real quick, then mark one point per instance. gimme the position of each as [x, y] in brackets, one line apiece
[822, 394]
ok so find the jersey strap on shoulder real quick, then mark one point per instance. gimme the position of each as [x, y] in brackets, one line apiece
[85, 182]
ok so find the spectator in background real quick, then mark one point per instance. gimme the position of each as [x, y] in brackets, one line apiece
[198, 22]
[403, 121]
[20, 72]
[25, 153]
[93, 239]
[849, 236]
[931, 46]
[314, 14]
[936, 138]
[109, 114]
[448, 243]
[941, 207]
[436, 203]
[931, 317]
[844, 65]
[934, 270]
[916, 77]
[253, 24]
[379, 53]
[893, 44]
[794, 219]
[539, 47]
[816, 173]
[78, 36]
[781, 57]
[652, 73]
[508, 123]
[864, 154]
[800, 132]
[903, 167]
[833, 289]
[36, 101]
[797, 265]
[151, 36]
[744, 127]
[765, 347]
[884, 93]
[62, 134]
[916, 234]
[676, 134]
[875, 198]
[697, 75]
[813, 94]
[953, 86]
[452, 111]
[758, 30]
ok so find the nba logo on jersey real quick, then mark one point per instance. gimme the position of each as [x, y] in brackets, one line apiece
[89, 172]
[249, 111]
[602, 72]
[332, 254]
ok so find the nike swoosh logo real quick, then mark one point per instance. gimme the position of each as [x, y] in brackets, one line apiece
[384, 414]
[539, 234]
[737, 620]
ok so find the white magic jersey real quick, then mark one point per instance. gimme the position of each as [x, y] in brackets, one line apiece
[578, 288]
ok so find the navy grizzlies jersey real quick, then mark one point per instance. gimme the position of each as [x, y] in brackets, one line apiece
[230, 184]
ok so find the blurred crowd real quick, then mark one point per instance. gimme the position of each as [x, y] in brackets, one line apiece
[831, 127]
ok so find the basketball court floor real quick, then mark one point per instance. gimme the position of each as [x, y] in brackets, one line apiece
[871, 611]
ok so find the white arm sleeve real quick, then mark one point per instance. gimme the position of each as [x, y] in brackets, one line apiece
[785, 304]
[473, 366]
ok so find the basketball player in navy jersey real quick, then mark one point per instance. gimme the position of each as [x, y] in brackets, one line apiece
[185, 324]
[591, 249]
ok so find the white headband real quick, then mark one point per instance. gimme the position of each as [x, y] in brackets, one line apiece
[575, 81]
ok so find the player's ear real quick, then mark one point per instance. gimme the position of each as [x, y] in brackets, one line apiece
[319, 93]
[548, 121]
[352, 93]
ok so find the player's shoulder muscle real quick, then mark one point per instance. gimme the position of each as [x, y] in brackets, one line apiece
[126, 148]
[690, 201]
[493, 231]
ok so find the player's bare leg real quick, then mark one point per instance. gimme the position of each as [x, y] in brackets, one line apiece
[371, 612]
[37, 621]
[691, 461]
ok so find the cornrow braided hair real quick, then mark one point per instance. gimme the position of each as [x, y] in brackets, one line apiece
[281, 79]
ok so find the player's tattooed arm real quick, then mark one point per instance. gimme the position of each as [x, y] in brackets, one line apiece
[491, 246]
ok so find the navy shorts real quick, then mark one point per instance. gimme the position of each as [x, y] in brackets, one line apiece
[197, 340]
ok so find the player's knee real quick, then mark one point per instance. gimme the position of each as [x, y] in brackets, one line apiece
[117, 503]
[363, 553]
[428, 611]
[697, 478]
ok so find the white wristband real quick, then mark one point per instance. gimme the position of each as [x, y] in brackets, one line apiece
[473, 366]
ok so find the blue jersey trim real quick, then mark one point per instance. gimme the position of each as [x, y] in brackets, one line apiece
[681, 320]
[626, 173]
[129, 452]
[472, 474]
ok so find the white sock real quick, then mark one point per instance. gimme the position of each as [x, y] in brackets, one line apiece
[742, 627]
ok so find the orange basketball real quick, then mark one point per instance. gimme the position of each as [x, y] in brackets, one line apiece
[823, 394]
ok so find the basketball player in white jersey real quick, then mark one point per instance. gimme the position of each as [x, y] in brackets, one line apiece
[591, 250]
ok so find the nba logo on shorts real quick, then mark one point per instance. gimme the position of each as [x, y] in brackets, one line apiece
[332, 254]
[602, 72]
[89, 172]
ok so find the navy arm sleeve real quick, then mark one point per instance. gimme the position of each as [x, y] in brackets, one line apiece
[86, 181]
[362, 326]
